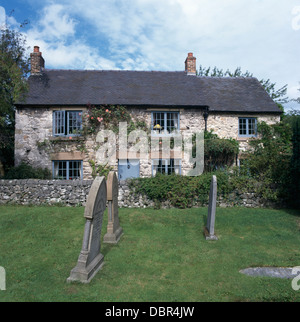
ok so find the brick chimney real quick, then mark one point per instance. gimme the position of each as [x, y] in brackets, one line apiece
[190, 64]
[37, 61]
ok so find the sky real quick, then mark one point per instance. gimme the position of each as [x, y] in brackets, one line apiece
[260, 36]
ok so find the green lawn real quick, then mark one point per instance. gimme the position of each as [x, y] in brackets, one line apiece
[162, 256]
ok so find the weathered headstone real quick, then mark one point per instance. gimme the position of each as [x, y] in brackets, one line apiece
[114, 231]
[211, 217]
[90, 259]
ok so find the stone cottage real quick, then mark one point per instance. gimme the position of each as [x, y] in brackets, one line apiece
[49, 119]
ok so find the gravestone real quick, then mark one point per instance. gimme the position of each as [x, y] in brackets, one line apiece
[211, 217]
[114, 231]
[90, 259]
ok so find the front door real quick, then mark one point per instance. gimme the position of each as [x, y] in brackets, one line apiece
[127, 169]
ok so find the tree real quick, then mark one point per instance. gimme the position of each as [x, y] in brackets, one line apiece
[295, 166]
[14, 68]
[297, 99]
[269, 160]
[278, 95]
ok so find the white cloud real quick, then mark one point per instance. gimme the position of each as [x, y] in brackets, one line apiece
[55, 34]
[2, 18]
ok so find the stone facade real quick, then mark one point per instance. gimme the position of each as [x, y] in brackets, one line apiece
[35, 144]
[226, 125]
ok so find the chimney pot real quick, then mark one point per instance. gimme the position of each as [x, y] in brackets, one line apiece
[36, 49]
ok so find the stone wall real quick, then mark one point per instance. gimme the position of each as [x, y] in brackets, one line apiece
[74, 193]
[40, 192]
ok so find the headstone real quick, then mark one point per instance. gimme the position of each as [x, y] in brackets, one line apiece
[114, 231]
[90, 259]
[211, 217]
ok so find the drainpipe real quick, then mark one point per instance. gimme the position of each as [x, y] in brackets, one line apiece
[205, 115]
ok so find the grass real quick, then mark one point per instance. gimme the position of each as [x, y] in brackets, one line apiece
[162, 256]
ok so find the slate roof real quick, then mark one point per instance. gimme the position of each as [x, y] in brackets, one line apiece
[146, 88]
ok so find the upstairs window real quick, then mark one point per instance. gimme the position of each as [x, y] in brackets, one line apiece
[67, 123]
[67, 170]
[247, 127]
[165, 123]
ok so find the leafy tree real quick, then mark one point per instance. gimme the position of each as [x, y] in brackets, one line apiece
[270, 158]
[14, 68]
[294, 186]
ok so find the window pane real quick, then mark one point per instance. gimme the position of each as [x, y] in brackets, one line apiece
[67, 170]
[74, 170]
[251, 126]
[170, 164]
[166, 166]
[60, 170]
[172, 122]
[59, 123]
[243, 126]
[74, 122]
[158, 122]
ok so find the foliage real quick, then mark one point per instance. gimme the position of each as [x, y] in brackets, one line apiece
[109, 116]
[185, 191]
[14, 66]
[294, 188]
[100, 169]
[26, 171]
[269, 160]
[219, 153]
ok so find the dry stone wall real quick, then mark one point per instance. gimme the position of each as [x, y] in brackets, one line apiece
[75, 192]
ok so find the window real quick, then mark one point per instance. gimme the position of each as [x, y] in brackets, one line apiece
[247, 126]
[67, 123]
[166, 166]
[67, 170]
[165, 123]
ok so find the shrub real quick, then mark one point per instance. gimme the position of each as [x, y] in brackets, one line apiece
[218, 153]
[269, 161]
[26, 171]
[180, 191]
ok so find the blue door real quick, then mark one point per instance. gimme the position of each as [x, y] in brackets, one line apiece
[127, 169]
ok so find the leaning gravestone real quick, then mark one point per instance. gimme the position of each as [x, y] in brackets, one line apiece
[114, 231]
[210, 226]
[90, 259]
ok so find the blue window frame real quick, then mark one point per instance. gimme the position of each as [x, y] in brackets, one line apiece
[67, 170]
[164, 123]
[67, 123]
[166, 166]
[247, 127]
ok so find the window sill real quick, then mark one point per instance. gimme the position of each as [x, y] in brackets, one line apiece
[165, 134]
[246, 138]
[66, 138]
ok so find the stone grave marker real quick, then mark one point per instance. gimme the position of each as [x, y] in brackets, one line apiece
[90, 259]
[114, 230]
[211, 217]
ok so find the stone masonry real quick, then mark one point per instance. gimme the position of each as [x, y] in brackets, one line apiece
[35, 144]
[75, 192]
